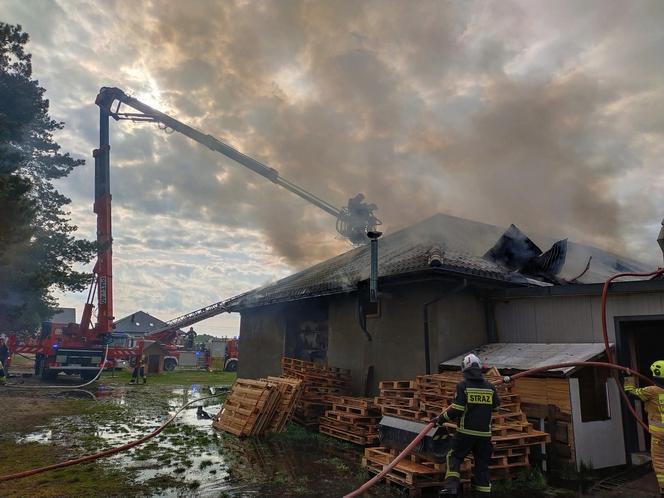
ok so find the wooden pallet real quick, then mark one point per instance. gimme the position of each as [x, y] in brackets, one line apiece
[290, 390]
[347, 436]
[355, 410]
[398, 402]
[410, 470]
[359, 430]
[248, 409]
[356, 401]
[396, 384]
[402, 413]
[352, 418]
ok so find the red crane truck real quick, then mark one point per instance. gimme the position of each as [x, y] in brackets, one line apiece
[80, 348]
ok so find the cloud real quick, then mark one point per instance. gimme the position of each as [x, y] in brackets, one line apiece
[541, 114]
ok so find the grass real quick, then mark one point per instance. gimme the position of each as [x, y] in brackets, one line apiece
[178, 377]
[93, 479]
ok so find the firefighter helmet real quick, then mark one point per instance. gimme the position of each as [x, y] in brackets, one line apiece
[657, 369]
[471, 361]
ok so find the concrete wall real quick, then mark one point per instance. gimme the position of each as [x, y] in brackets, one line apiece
[261, 345]
[600, 444]
[569, 318]
[397, 349]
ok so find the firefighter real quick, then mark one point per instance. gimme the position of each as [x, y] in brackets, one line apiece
[139, 371]
[4, 351]
[653, 398]
[474, 403]
[4, 354]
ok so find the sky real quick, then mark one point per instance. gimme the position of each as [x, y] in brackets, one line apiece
[543, 114]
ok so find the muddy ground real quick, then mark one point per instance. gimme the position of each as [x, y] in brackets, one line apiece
[188, 459]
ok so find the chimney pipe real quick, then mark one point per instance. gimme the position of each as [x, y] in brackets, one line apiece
[373, 280]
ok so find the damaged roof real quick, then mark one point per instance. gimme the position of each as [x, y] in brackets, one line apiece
[440, 243]
[524, 356]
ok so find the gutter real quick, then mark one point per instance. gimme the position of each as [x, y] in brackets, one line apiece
[628, 287]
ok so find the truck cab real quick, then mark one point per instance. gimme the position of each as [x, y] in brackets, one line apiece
[63, 350]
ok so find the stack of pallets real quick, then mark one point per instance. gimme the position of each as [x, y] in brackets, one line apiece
[512, 434]
[321, 383]
[426, 398]
[413, 472]
[352, 419]
[254, 407]
[399, 398]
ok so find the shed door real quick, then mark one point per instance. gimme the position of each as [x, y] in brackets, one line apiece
[153, 363]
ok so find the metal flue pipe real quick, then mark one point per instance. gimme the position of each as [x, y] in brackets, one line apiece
[373, 280]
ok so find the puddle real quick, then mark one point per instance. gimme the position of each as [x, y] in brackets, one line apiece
[190, 458]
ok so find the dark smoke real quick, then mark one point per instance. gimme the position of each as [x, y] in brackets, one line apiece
[540, 114]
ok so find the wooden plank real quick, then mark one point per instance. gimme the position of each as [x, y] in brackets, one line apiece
[544, 391]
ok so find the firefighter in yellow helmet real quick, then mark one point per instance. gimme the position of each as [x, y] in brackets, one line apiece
[653, 398]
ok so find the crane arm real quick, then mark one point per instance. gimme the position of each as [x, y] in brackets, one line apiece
[108, 96]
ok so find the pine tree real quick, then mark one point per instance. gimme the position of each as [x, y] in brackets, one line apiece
[38, 248]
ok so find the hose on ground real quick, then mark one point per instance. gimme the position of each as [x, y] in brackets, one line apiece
[393, 463]
[101, 369]
[525, 373]
[105, 453]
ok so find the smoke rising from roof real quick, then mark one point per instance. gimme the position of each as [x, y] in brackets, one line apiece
[425, 107]
[533, 113]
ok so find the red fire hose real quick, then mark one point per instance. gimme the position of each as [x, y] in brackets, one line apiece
[611, 364]
[415, 441]
[605, 334]
[105, 453]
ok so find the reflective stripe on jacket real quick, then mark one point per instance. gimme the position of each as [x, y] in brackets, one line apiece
[653, 399]
[474, 403]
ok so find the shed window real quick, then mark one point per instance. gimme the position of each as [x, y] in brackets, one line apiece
[594, 395]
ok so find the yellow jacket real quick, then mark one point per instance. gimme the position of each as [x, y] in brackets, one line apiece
[653, 398]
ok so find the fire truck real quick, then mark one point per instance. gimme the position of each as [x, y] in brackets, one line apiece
[81, 348]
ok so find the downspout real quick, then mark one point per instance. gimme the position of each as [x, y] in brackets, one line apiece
[362, 318]
[425, 310]
[373, 282]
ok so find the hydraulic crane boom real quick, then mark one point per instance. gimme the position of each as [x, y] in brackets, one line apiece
[352, 221]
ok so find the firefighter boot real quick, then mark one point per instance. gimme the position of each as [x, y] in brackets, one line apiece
[451, 487]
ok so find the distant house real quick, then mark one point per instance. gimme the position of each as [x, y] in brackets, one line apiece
[136, 326]
[448, 286]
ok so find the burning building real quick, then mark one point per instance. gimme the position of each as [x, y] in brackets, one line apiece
[448, 286]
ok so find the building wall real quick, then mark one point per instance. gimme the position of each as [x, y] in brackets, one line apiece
[261, 344]
[569, 318]
[457, 324]
[396, 350]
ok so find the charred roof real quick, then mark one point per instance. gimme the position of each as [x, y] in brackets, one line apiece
[456, 246]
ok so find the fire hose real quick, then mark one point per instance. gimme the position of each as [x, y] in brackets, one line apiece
[366, 486]
[105, 453]
[610, 364]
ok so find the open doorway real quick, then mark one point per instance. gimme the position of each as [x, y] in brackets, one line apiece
[640, 342]
[307, 332]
